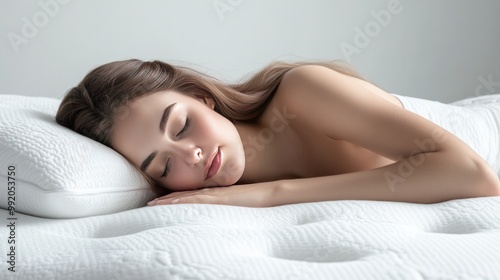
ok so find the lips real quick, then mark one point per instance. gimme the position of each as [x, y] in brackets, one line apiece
[213, 164]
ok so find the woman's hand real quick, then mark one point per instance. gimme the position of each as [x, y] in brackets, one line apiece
[249, 195]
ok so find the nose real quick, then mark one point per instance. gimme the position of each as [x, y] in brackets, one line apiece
[189, 153]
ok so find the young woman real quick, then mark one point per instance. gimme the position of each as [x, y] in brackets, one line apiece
[292, 133]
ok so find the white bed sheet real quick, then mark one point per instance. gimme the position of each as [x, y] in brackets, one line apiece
[350, 239]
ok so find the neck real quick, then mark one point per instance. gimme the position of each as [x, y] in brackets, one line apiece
[262, 156]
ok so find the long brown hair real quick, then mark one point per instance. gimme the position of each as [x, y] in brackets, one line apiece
[90, 107]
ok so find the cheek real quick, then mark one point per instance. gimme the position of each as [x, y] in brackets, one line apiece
[208, 124]
[212, 122]
[218, 127]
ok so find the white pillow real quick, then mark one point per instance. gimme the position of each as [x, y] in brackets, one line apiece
[58, 172]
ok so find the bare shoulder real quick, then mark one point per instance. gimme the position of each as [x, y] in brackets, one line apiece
[316, 76]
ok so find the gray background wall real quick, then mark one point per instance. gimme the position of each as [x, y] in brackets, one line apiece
[441, 50]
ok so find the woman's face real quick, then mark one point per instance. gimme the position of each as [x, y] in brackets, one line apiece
[179, 140]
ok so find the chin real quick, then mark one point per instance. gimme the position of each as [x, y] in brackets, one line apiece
[227, 178]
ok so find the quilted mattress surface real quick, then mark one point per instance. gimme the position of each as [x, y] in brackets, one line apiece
[350, 239]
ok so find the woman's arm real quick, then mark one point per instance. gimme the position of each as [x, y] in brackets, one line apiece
[433, 182]
[432, 164]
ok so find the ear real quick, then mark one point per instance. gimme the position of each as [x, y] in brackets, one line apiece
[207, 100]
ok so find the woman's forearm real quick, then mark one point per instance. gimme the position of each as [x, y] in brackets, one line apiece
[423, 178]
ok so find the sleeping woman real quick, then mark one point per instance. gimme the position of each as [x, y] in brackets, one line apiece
[291, 133]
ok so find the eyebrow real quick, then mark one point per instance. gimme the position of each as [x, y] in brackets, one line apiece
[164, 117]
[148, 161]
[163, 123]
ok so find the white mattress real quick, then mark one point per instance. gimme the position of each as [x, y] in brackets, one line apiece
[350, 239]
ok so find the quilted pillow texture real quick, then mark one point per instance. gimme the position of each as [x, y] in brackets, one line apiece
[59, 173]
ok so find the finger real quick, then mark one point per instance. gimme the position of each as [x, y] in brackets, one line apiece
[196, 198]
[193, 196]
[167, 201]
[180, 198]
[163, 201]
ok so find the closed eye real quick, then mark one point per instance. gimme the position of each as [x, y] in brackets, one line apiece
[186, 126]
[166, 170]
[167, 165]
